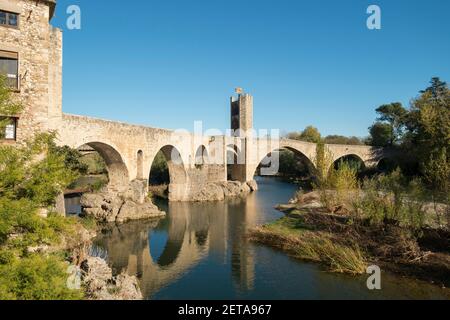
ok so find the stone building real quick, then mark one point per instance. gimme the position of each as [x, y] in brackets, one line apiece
[31, 58]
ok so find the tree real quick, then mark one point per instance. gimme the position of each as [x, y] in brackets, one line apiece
[381, 135]
[310, 134]
[429, 120]
[72, 158]
[395, 115]
[336, 139]
[31, 175]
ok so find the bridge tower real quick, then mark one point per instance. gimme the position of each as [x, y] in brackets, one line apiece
[241, 114]
[242, 132]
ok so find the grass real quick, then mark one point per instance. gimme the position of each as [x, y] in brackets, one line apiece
[297, 238]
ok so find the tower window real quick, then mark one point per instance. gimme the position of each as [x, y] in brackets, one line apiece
[9, 19]
[9, 128]
[9, 68]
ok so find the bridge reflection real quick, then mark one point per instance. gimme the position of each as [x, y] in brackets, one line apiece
[162, 251]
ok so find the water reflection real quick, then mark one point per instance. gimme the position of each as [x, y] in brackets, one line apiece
[199, 251]
[161, 251]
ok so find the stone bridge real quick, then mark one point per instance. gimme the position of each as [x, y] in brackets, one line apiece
[193, 159]
[33, 53]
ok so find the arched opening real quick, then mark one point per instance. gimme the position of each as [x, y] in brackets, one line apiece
[351, 160]
[387, 165]
[235, 163]
[167, 178]
[201, 156]
[289, 164]
[140, 165]
[105, 167]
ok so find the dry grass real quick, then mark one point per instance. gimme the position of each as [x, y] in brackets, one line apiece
[289, 235]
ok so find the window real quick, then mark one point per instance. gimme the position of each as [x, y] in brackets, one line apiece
[9, 128]
[9, 19]
[9, 67]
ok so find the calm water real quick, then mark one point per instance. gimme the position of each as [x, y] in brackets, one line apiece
[199, 252]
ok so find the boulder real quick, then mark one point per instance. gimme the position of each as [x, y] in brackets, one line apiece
[104, 207]
[244, 190]
[253, 185]
[211, 192]
[232, 188]
[137, 191]
[135, 211]
[100, 283]
[109, 207]
[91, 200]
[218, 191]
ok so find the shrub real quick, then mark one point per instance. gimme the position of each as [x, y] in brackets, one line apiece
[36, 277]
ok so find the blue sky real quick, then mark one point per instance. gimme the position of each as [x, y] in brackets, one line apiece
[169, 63]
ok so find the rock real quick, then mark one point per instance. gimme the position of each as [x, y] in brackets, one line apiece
[286, 207]
[38, 249]
[129, 287]
[232, 188]
[110, 207]
[309, 197]
[101, 285]
[104, 207]
[137, 191]
[135, 211]
[253, 185]
[211, 192]
[218, 191]
[91, 200]
[311, 205]
[245, 189]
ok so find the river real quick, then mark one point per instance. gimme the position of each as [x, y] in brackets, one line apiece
[199, 251]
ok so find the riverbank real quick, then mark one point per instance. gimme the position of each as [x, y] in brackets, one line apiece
[344, 243]
[89, 271]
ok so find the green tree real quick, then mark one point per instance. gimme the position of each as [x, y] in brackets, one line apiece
[310, 134]
[72, 158]
[437, 171]
[393, 114]
[336, 139]
[381, 134]
[429, 121]
[32, 174]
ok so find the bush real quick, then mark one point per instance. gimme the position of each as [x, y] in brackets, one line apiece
[36, 277]
[392, 198]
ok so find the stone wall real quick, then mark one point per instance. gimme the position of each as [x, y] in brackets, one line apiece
[39, 47]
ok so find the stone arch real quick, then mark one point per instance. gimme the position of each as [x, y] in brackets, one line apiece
[351, 158]
[140, 165]
[386, 164]
[274, 164]
[201, 156]
[117, 170]
[177, 173]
